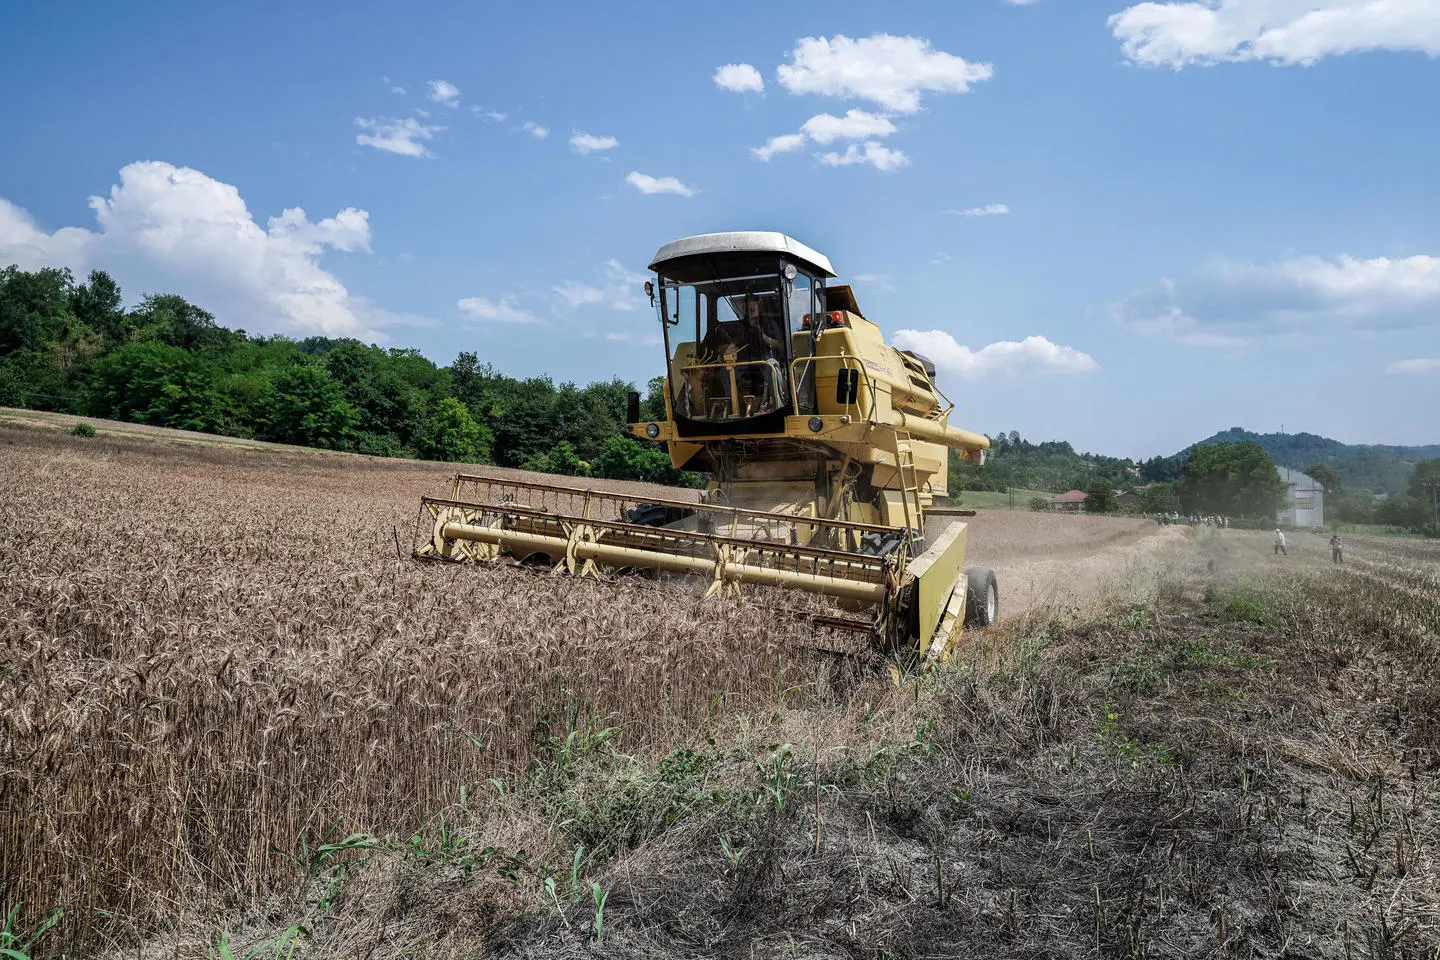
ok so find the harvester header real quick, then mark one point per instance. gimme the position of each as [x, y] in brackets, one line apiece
[824, 447]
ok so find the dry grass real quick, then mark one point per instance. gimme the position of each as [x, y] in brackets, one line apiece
[232, 713]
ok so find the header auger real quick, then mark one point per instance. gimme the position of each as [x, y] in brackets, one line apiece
[825, 449]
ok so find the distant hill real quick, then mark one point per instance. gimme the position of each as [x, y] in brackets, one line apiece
[1362, 466]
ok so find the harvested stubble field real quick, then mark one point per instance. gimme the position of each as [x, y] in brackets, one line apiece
[233, 719]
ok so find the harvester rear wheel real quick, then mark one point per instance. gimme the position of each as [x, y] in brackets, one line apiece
[982, 598]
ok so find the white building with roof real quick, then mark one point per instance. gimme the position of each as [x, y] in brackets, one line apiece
[1304, 500]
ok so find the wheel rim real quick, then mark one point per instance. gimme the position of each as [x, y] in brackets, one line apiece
[991, 602]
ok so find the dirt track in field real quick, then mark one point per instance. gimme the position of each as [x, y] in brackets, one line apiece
[1042, 559]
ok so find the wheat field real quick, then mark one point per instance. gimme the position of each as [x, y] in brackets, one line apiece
[237, 717]
[203, 656]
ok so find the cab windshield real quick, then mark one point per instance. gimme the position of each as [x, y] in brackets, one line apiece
[735, 365]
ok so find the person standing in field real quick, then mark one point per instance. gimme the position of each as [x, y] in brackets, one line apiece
[1337, 549]
[1280, 543]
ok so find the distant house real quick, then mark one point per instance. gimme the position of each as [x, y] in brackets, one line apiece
[1381, 497]
[1131, 498]
[1071, 501]
[1304, 500]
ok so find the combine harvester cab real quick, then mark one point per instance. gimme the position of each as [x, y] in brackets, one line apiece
[825, 449]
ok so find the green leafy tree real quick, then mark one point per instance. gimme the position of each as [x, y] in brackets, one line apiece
[1100, 497]
[1424, 492]
[96, 304]
[176, 321]
[307, 406]
[562, 460]
[652, 404]
[625, 459]
[1159, 498]
[157, 384]
[451, 433]
[1326, 476]
[1232, 479]
[34, 308]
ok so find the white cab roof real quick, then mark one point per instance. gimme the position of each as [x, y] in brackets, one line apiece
[746, 241]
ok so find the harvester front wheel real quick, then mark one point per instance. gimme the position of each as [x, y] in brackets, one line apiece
[982, 598]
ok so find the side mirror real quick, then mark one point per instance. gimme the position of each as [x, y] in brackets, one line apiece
[632, 405]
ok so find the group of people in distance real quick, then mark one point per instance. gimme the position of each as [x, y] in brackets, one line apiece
[1337, 546]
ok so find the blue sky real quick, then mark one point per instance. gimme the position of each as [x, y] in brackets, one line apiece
[1125, 225]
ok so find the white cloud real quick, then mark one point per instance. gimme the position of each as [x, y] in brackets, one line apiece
[173, 228]
[1420, 366]
[442, 91]
[24, 244]
[495, 311]
[891, 71]
[1033, 355]
[649, 184]
[397, 136]
[739, 77]
[824, 128]
[989, 210]
[785, 143]
[399, 90]
[620, 290]
[873, 153]
[1279, 31]
[587, 143]
[881, 280]
[534, 129]
[1226, 303]
[487, 114]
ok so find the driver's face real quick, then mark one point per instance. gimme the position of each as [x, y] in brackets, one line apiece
[752, 307]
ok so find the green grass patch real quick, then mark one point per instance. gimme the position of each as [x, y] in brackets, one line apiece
[1245, 605]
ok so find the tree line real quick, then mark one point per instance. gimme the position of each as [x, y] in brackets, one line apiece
[71, 347]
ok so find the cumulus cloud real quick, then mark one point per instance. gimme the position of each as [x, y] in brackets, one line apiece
[989, 210]
[1419, 367]
[873, 153]
[824, 128]
[588, 143]
[495, 311]
[1227, 303]
[619, 290]
[893, 72]
[534, 129]
[648, 184]
[1009, 358]
[785, 143]
[404, 137]
[740, 78]
[442, 91]
[164, 227]
[1279, 31]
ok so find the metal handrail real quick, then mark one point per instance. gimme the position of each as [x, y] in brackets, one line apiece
[845, 361]
[770, 368]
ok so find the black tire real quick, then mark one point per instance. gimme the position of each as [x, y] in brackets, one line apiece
[982, 598]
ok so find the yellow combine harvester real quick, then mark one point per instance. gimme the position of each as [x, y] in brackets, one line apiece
[825, 449]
